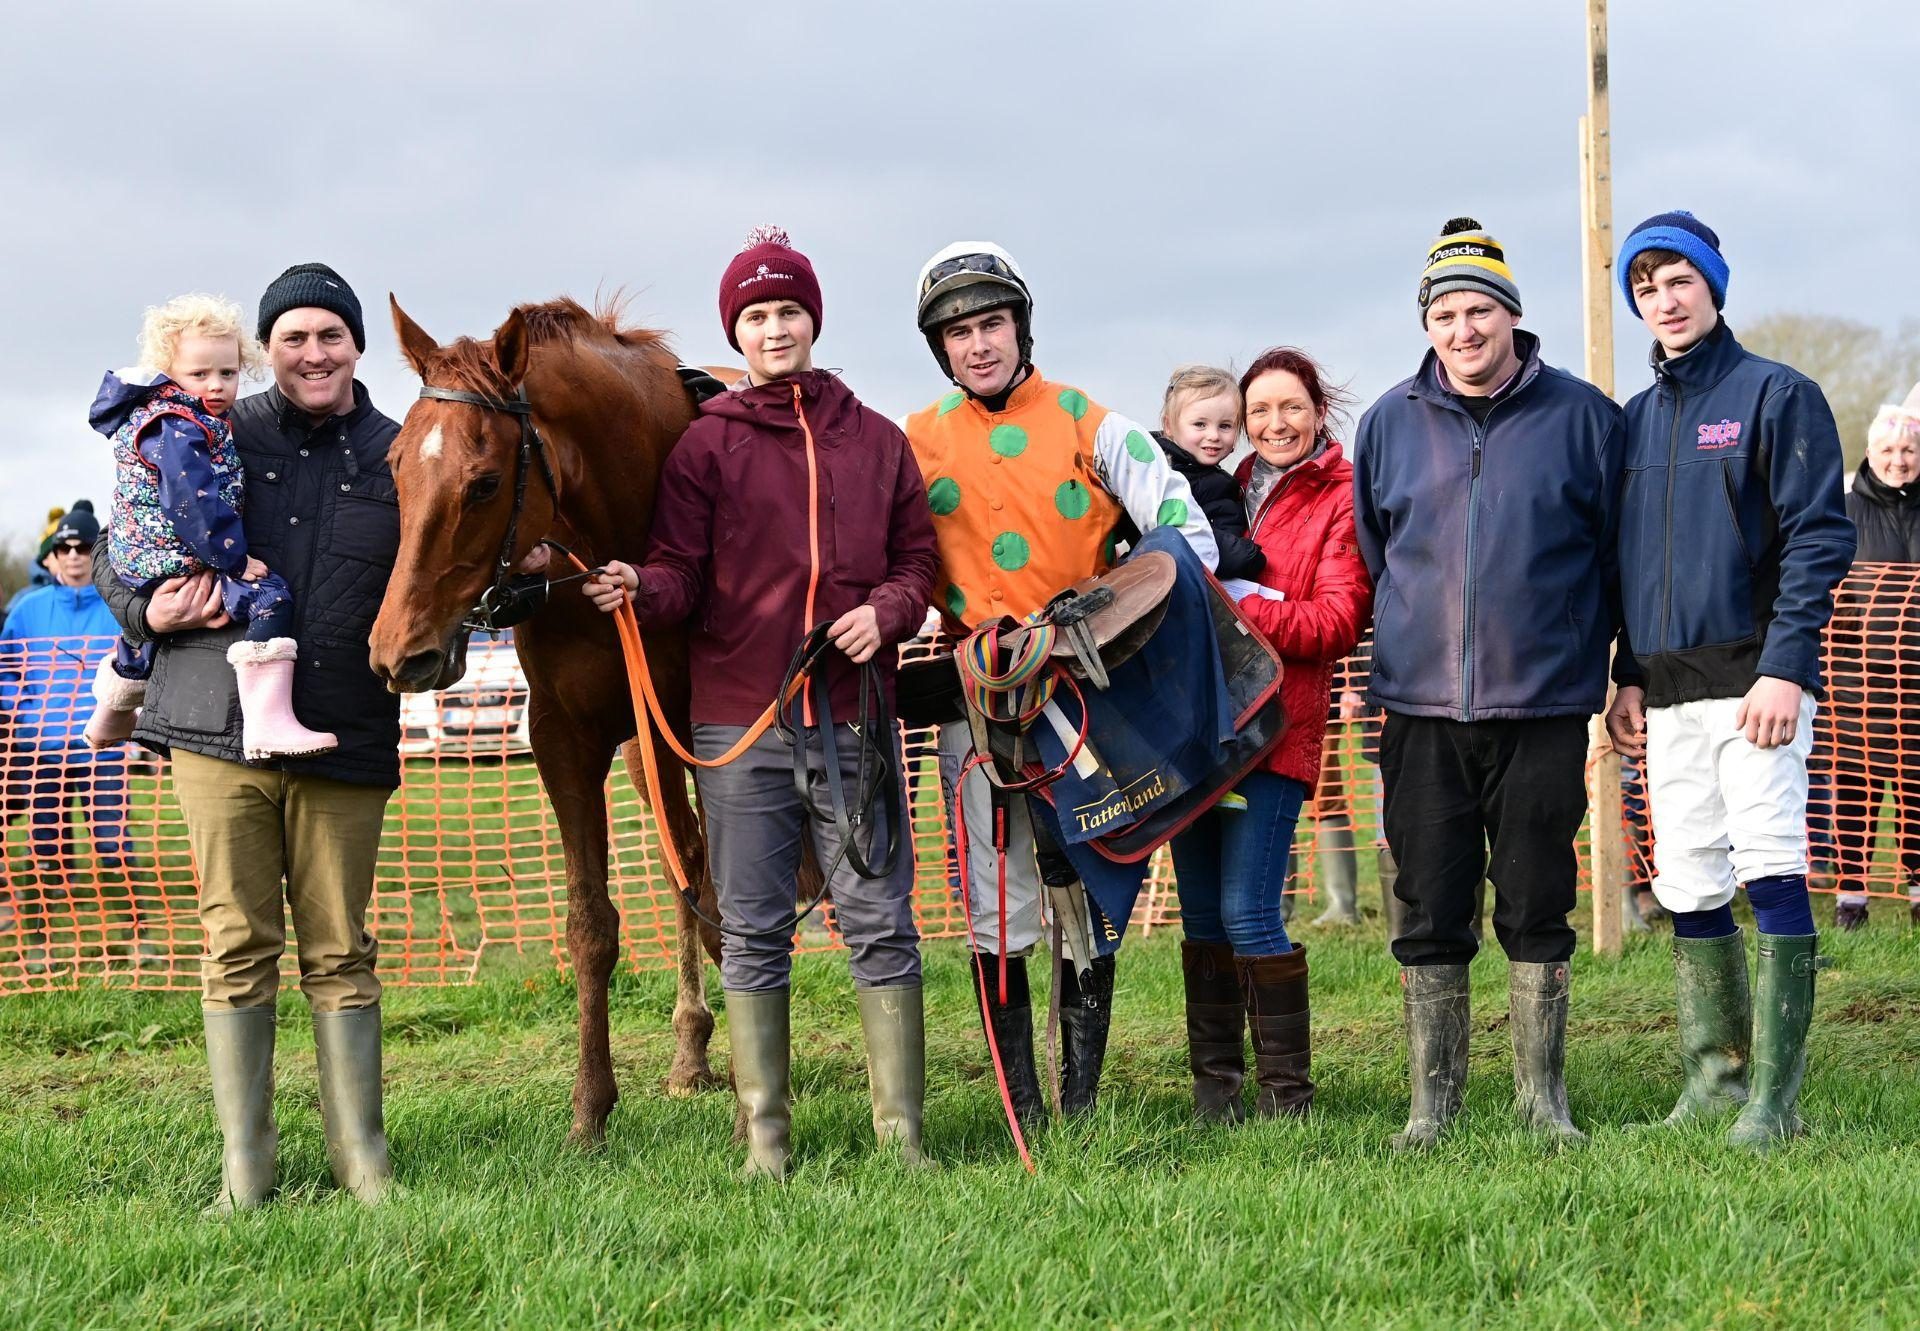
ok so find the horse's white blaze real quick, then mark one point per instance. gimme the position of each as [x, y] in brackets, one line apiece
[430, 446]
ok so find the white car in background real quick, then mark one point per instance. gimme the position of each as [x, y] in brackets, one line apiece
[484, 715]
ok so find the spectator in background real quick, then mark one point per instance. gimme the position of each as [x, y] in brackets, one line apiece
[1876, 727]
[37, 575]
[48, 638]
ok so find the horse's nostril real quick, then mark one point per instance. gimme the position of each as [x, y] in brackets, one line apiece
[421, 667]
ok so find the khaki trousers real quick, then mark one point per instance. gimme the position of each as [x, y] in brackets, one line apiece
[255, 833]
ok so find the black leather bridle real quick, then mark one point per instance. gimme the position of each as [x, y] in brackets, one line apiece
[509, 600]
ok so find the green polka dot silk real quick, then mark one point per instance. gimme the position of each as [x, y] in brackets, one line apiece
[1074, 403]
[943, 496]
[1009, 441]
[1139, 447]
[1071, 499]
[1011, 551]
[950, 401]
[956, 602]
[1173, 513]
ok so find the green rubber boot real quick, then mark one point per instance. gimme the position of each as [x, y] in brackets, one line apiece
[762, 1077]
[892, 1017]
[1716, 1026]
[1438, 1012]
[348, 1046]
[1339, 872]
[1537, 993]
[240, 1061]
[1782, 1011]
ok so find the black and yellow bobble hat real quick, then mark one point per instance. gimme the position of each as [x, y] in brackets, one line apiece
[1466, 258]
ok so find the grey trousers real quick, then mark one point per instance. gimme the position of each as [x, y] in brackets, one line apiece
[754, 825]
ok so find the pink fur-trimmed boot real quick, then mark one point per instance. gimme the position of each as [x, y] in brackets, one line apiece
[117, 706]
[269, 729]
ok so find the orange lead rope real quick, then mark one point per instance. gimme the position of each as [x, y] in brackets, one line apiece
[813, 536]
[647, 711]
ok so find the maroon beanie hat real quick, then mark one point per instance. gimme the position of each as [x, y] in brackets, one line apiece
[768, 267]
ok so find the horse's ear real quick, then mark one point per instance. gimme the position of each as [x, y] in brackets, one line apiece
[510, 348]
[415, 344]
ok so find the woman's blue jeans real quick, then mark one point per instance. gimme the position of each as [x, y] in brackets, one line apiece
[1231, 867]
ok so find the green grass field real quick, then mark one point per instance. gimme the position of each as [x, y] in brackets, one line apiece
[1136, 1218]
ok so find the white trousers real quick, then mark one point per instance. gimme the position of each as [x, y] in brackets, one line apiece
[983, 864]
[1724, 812]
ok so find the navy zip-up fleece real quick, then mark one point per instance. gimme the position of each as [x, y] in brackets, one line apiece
[1491, 547]
[1733, 529]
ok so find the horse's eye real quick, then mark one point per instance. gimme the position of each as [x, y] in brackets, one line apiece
[481, 490]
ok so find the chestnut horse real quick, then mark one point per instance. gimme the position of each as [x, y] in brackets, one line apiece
[608, 405]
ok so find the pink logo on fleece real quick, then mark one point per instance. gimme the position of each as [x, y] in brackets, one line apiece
[1726, 434]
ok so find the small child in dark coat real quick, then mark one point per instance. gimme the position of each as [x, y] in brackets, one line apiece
[1199, 425]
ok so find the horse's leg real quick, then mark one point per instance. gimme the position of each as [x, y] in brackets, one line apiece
[692, 1018]
[574, 770]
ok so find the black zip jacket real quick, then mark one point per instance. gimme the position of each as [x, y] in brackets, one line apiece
[321, 512]
[1221, 499]
[1732, 530]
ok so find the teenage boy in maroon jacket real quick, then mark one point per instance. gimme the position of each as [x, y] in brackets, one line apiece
[737, 543]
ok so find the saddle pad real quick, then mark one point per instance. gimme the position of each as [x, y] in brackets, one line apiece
[1166, 737]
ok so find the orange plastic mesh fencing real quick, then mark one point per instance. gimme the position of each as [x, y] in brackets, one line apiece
[97, 879]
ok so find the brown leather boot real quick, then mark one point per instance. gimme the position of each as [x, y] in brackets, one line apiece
[1275, 988]
[1216, 1031]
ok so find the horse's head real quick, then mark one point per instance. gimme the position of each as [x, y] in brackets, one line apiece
[454, 469]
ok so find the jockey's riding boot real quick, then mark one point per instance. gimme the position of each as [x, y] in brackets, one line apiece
[348, 1045]
[1216, 1030]
[1438, 1011]
[762, 1076]
[268, 728]
[893, 1021]
[1782, 1011]
[1537, 994]
[1339, 873]
[116, 706]
[1010, 1022]
[1276, 992]
[240, 1061]
[1716, 1026]
[1392, 909]
[1086, 1015]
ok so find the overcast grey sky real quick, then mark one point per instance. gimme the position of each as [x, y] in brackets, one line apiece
[1181, 182]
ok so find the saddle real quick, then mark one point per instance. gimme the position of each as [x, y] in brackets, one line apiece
[1102, 621]
[1094, 625]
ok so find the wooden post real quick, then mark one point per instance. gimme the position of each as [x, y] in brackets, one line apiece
[1596, 224]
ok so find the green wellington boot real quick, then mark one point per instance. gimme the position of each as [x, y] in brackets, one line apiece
[762, 1077]
[240, 1060]
[1716, 1026]
[1339, 872]
[1438, 1009]
[348, 1046]
[1782, 1011]
[892, 1017]
[1537, 994]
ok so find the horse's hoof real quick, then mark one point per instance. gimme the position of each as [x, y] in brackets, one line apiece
[685, 1082]
[587, 1138]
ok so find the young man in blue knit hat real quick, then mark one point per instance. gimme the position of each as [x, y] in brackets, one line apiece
[1719, 666]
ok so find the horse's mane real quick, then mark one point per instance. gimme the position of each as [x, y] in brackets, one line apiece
[560, 320]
